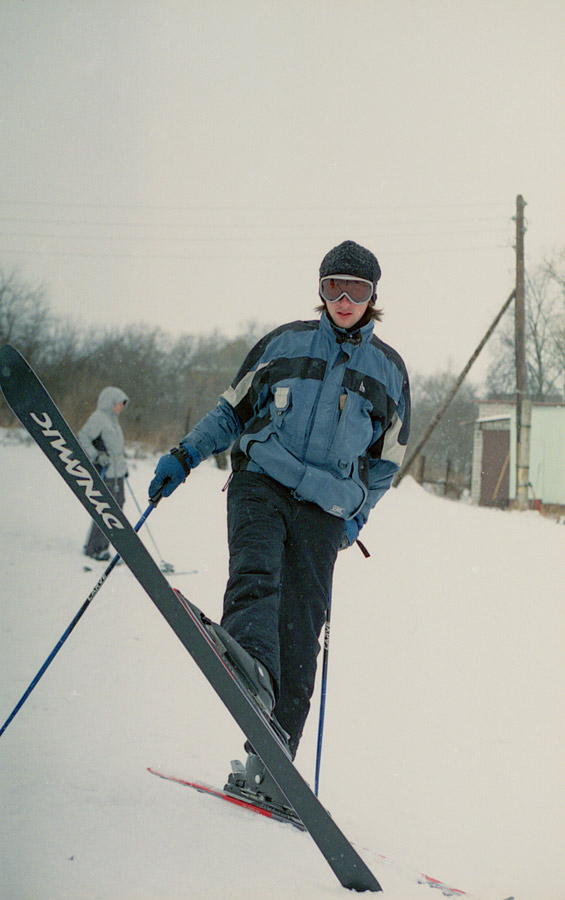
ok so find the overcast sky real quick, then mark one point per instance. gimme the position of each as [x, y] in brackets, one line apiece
[187, 163]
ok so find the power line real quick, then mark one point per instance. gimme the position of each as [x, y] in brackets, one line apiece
[254, 256]
[229, 239]
[268, 208]
[215, 225]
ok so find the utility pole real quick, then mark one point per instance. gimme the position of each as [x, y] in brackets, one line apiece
[523, 404]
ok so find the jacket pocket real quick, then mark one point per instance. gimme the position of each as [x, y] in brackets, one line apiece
[280, 405]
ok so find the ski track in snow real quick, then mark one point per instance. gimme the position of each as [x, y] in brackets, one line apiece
[444, 738]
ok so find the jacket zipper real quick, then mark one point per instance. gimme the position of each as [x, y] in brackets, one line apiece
[341, 359]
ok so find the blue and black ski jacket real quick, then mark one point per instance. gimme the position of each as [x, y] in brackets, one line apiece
[319, 410]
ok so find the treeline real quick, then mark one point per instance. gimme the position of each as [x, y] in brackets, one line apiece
[171, 381]
[174, 381]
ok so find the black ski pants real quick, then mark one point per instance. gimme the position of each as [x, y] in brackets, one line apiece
[282, 556]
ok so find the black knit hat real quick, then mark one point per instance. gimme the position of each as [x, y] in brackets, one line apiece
[349, 258]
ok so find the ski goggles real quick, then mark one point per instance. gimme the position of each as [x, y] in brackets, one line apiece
[334, 287]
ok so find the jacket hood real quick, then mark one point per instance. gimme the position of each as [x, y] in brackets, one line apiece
[109, 397]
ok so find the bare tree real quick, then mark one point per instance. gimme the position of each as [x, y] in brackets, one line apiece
[545, 338]
[450, 447]
[24, 314]
[556, 271]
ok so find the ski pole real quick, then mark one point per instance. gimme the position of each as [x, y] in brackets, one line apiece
[166, 567]
[78, 616]
[366, 554]
[323, 694]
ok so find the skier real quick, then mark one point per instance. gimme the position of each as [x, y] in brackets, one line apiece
[318, 416]
[103, 439]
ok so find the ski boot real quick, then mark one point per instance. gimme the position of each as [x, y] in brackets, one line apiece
[251, 673]
[254, 673]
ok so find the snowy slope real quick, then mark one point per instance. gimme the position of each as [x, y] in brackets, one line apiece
[444, 741]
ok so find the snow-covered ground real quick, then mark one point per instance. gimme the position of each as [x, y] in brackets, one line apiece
[445, 737]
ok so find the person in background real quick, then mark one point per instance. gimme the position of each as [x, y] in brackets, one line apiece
[318, 416]
[103, 439]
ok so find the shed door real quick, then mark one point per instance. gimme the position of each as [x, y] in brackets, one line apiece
[495, 470]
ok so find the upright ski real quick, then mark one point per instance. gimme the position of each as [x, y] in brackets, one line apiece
[39, 415]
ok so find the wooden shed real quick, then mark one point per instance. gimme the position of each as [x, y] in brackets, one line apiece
[494, 454]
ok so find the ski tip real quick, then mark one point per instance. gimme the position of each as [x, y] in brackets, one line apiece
[7, 356]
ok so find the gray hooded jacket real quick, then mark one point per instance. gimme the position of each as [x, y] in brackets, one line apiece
[102, 433]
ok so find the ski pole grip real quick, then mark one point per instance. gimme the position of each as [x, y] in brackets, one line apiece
[159, 494]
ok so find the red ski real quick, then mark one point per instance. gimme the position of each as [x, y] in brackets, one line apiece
[278, 815]
[270, 811]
